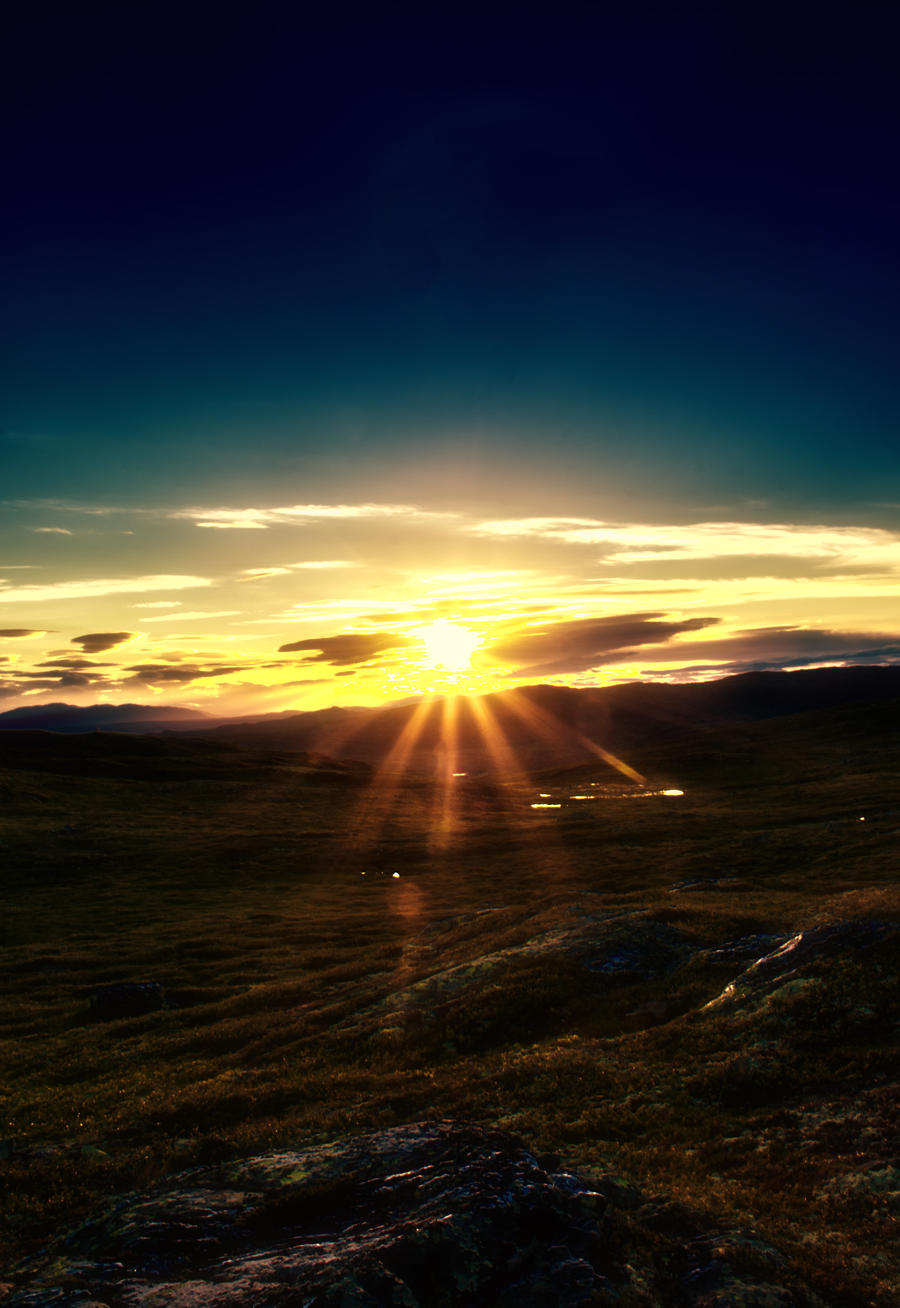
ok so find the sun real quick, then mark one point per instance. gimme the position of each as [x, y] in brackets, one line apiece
[448, 645]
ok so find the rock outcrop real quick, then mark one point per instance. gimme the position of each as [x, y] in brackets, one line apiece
[433, 1213]
[428, 1215]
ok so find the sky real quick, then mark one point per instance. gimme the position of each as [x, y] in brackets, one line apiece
[387, 350]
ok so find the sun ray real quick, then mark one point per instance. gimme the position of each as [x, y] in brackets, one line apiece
[546, 726]
[506, 761]
[445, 809]
[381, 793]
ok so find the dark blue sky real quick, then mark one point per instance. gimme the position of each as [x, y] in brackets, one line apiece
[574, 326]
[650, 246]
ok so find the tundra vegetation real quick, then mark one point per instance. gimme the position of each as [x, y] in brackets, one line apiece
[326, 951]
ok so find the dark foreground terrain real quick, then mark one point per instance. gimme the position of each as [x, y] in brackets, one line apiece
[286, 1032]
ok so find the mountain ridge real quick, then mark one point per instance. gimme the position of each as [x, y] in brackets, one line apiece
[525, 729]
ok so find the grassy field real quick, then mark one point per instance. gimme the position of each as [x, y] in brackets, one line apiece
[342, 951]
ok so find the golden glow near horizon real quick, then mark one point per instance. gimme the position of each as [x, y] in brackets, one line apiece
[363, 604]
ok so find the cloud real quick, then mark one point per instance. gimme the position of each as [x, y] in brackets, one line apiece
[97, 641]
[11, 633]
[51, 680]
[300, 515]
[887, 654]
[322, 563]
[64, 590]
[73, 663]
[159, 604]
[356, 647]
[237, 524]
[78, 506]
[574, 645]
[763, 647]
[153, 673]
[285, 570]
[319, 610]
[627, 543]
[52, 531]
[186, 617]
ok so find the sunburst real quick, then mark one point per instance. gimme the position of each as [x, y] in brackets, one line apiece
[448, 645]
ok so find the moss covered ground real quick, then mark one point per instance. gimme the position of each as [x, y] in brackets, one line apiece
[341, 950]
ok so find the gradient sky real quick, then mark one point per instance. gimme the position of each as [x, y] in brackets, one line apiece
[572, 329]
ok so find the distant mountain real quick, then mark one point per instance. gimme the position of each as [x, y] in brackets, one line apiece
[100, 717]
[555, 726]
[528, 729]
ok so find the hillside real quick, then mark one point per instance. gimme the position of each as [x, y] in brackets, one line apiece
[516, 731]
[668, 1018]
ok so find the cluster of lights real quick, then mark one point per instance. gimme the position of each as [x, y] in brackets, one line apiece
[545, 796]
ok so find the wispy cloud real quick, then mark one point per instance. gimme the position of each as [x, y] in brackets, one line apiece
[301, 514]
[352, 647]
[63, 590]
[638, 543]
[190, 616]
[786, 646]
[559, 647]
[52, 531]
[285, 569]
[315, 564]
[78, 506]
[97, 641]
[237, 522]
[17, 633]
[152, 674]
[237, 517]
[74, 664]
[36, 681]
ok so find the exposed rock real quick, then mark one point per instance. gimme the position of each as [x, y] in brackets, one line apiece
[734, 1269]
[790, 960]
[428, 1214]
[624, 948]
[746, 948]
[127, 999]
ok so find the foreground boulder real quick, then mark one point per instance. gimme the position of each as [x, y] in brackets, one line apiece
[427, 1214]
